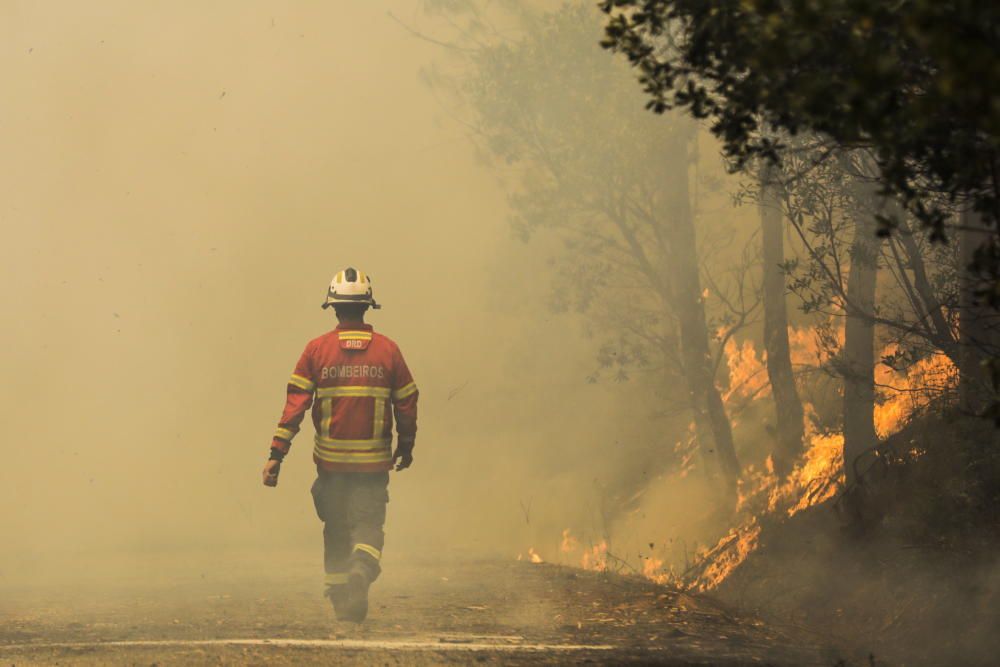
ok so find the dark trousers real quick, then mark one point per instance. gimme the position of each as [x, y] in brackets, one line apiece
[352, 508]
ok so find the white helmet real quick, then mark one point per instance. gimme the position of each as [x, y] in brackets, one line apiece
[350, 286]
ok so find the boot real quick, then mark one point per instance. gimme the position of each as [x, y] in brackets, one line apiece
[356, 598]
[338, 596]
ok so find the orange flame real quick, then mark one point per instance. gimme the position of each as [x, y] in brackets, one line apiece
[902, 393]
[569, 543]
[652, 569]
[747, 373]
[805, 349]
[818, 475]
[596, 558]
[815, 478]
[727, 555]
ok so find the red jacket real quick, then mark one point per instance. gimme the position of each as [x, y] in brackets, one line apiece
[354, 374]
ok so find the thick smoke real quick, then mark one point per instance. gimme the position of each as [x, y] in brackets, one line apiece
[177, 187]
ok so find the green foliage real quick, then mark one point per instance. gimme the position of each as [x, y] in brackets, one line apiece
[918, 81]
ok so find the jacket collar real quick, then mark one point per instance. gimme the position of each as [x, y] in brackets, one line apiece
[354, 327]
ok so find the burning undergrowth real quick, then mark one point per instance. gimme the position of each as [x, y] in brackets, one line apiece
[764, 499]
[902, 564]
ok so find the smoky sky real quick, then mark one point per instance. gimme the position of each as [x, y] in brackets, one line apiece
[178, 184]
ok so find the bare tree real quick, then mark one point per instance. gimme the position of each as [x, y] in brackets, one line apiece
[977, 321]
[788, 404]
[859, 347]
[613, 182]
[714, 429]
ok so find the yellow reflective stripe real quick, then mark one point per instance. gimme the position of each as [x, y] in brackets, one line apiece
[369, 549]
[284, 433]
[403, 392]
[355, 391]
[373, 444]
[378, 423]
[355, 335]
[302, 383]
[345, 457]
[351, 457]
[335, 578]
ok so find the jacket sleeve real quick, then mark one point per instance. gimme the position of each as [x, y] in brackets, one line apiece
[299, 398]
[404, 398]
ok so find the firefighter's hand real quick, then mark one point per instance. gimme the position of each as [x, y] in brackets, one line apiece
[402, 460]
[271, 470]
[403, 457]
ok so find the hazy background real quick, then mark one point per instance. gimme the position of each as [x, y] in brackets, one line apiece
[178, 183]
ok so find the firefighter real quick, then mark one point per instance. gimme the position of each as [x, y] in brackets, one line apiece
[355, 380]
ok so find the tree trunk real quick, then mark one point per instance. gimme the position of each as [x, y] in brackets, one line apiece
[787, 403]
[714, 431]
[978, 353]
[974, 387]
[940, 330]
[859, 348]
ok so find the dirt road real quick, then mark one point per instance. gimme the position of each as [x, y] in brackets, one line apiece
[485, 612]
